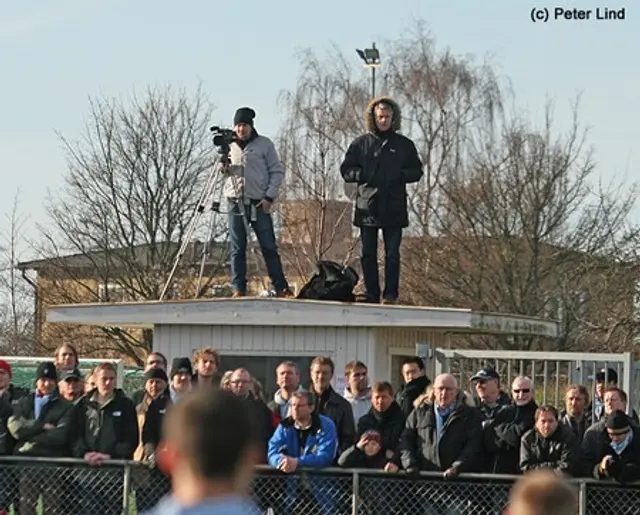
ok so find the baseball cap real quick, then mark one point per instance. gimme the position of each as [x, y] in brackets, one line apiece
[485, 374]
[71, 374]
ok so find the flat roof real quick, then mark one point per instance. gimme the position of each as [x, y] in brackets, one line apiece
[261, 311]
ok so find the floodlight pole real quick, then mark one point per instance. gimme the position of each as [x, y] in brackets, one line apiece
[371, 58]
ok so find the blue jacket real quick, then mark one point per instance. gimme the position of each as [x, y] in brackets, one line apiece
[319, 452]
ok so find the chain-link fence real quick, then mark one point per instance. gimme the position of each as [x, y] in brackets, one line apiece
[41, 486]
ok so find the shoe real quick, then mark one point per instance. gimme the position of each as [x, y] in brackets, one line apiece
[389, 302]
[237, 294]
[285, 294]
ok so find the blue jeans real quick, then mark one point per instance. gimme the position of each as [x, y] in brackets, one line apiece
[392, 237]
[263, 229]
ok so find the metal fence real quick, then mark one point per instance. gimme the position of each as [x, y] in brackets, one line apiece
[36, 486]
[551, 372]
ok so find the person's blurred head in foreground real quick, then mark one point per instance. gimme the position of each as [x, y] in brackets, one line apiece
[542, 493]
[209, 448]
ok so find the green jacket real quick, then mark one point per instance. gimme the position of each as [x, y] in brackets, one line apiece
[32, 439]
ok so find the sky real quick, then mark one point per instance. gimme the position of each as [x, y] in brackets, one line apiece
[55, 55]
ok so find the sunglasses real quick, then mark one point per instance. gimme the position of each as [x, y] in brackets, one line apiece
[524, 390]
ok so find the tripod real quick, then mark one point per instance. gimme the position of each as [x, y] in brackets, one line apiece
[219, 171]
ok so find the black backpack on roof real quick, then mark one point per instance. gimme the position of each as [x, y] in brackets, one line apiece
[332, 281]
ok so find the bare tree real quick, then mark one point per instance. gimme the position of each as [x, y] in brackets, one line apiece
[17, 304]
[606, 312]
[322, 115]
[134, 180]
[445, 99]
[521, 226]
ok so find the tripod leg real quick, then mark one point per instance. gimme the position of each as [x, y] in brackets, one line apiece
[205, 252]
[199, 209]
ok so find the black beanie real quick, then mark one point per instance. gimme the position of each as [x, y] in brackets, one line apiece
[181, 366]
[244, 115]
[47, 370]
[617, 420]
[156, 373]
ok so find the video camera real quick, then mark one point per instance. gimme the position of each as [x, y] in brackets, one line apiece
[222, 139]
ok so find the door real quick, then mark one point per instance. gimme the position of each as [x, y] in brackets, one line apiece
[263, 368]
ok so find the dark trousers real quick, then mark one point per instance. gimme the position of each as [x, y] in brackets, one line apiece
[392, 237]
[262, 226]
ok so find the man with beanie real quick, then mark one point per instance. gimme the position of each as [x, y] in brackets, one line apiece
[152, 485]
[40, 425]
[181, 378]
[616, 452]
[381, 163]
[254, 179]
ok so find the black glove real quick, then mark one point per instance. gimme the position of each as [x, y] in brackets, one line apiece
[413, 472]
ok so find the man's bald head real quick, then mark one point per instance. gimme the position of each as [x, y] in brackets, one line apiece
[240, 382]
[446, 380]
[522, 390]
[445, 390]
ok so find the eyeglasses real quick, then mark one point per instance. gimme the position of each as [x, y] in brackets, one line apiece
[239, 381]
[523, 390]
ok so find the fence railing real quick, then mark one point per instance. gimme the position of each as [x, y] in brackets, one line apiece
[71, 487]
[551, 372]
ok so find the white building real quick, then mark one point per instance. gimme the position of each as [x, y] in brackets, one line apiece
[258, 333]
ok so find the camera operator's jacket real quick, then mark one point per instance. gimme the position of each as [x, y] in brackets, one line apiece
[381, 164]
[255, 171]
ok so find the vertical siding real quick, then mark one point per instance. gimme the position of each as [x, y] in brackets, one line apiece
[401, 338]
[341, 343]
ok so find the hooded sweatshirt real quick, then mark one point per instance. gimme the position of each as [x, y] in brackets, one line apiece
[359, 405]
[281, 404]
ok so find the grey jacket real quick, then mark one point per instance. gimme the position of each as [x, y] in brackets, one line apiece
[255, 172]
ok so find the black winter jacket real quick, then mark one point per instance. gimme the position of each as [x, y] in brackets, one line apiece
[381, 164]
[390, 425]
[460, 444]
[502, 437]
[409, 392]
[559, 452]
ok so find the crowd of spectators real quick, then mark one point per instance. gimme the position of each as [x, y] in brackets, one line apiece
[434, 426]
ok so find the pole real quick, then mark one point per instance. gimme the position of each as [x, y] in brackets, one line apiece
[373, 82]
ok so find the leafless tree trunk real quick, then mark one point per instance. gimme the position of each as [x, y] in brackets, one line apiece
[18, 314]
[520, 227]
[131, 191]
[322, 116]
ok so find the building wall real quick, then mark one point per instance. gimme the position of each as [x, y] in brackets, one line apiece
[392, 345]
[342, 344]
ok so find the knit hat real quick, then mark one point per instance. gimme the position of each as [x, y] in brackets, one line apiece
[244, 115]
[4, 365]
[181, 366]
[47, 370]
[156, 373]
[617, 421]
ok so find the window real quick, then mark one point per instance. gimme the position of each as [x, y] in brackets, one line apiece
[396, 373]
[263, 368]
[112, 292]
